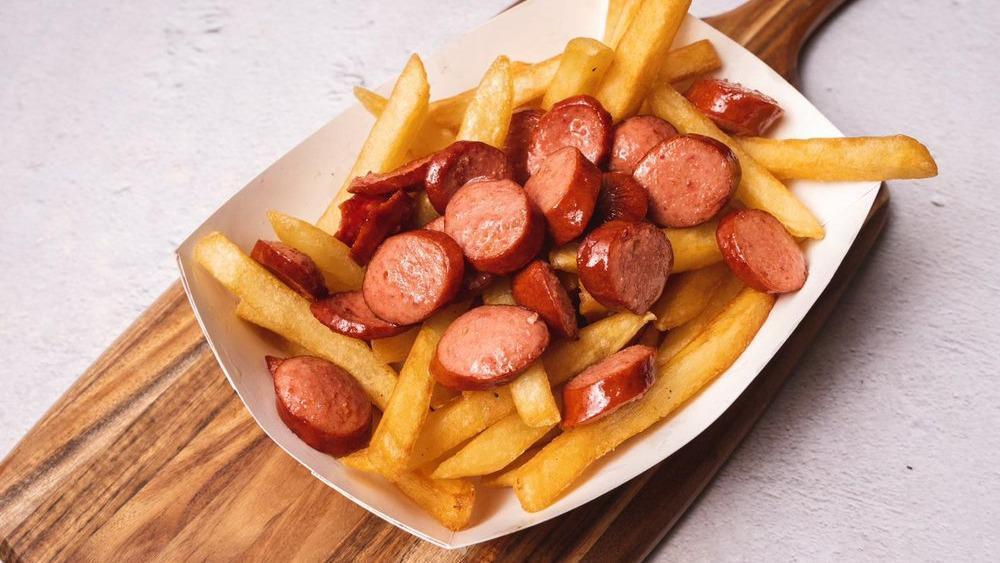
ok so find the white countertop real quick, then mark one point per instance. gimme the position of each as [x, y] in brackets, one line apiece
[125, 124]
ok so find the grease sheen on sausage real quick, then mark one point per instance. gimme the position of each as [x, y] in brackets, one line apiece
[460, 163]
[608, 385]
[565, 189]
[579, 121]
[621, 198]
[633, 138]
[347, 313]
[537, 287]
[409, 176]
[321, 403]
[522, 126]
[383, 220]
[294, 268]
[412, 275]
[354, 211]
[759, 250]
[625, 264]
[734, 108]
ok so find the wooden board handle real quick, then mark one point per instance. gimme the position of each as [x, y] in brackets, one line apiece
[775, 30]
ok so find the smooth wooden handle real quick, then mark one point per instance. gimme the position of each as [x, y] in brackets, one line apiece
[775, 30]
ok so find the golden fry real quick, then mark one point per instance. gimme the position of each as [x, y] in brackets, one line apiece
[693, 247]
[488, 115]
[581, 69]
[596, 341]
[533, 397]
[459, 420]
[686, 295]
[331, 256]
[689, 61]
[431, 138]
[394, 349]
[590, 308]
[493, 449]
[679, 337]
[498, 293]
[620, 16]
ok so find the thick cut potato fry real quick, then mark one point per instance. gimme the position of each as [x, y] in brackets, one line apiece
[581, 69]
[392, 135]
[689, 61]
[425, 212]
[431, 138]
[544, 478]
[283, 311]
[533, 397]
[331, 256]
[493, 449]
[686, 295]
[597, 341]
[679, 337]
[394, 349]
[620, 16]
[459, 420]
[450, 501]
[499, 293]
[640, 55]
[590, 308]
[397, 431]
[694, 247]
[846, 159]
[758, 188]
[563, 258]
[488, 115]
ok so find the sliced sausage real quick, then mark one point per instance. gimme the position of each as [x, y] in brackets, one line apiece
[436, 225]
[625, 264]
[537, 287]
[522, 126]
[409, 176]
[384, 220]
[621, 198]
[633, 138]
[294, 268]
[474, 282]
[488, 346]
[579, 121]
[412, 275]
[734, 108]
[460, 163]
[565, 189]
[608, 385]
[322, 404]
[689, 179]
[347, 313]
[497, 226]
[759, 250]
[354, 211]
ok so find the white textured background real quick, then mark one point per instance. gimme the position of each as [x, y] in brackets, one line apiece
[124, 124]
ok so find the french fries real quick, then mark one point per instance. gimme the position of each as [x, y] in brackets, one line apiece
[425, 212]
[679, 337]
[581, 69]
[563, 258]
[846, 159]
[431, 138]
[287, 313]
[397, 431]
[689, 61]
[544, 478]
[693, 247]
[394, 349]
[639, 55]
[596, 341]
[459, 420]
[331, 256]
[392, 135]
[758, 188]
[493, 449]
[498, 293]
[590, 308]
[686, 295]
[488, 115]
[533, 398]
[620, 15]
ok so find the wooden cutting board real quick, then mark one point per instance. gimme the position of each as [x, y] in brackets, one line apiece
[150, 454]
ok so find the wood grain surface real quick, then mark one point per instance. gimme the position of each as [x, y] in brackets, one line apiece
[150, 454]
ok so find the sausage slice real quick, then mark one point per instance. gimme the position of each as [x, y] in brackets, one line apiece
[689, 179]
[522, 126]
[734, 108]
[348, 314]
[322, 404]
[497, 226]
[294, 268]
[633, 138]
[579, 121]
[608, 385]
[759, 250]
[412, 275]
[354, 212]
[624, 264]
[460, 163]
[565, 189]
[436, 225]
[621, 197]
[385, 219]
[537, 287]
[488, 346]
[409, 176]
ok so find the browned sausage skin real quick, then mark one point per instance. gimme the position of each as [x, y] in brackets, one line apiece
[734, 108]
[565, 189]
[488, 346]
[384, 220]
[522, 126]
[295, 269]
[460, 163]
[633, 138]
[579, 121]
[625, 264]
[321, 403]
[621, 198]
[354, 211]
[537, 287]
[412, 275]
[759, 250]
[409, 176]
[608, 385]
[689, 178]
[497, 226]
[347, 313]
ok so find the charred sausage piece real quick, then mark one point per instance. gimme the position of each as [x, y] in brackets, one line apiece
[634, 137]
[734, 108]
[295, 269]
[460, 163]
[488, 346]
[322, 404]
[621, 198]
[412, 275]
[384, 220]
[354, 211]
[759, 250]
[689, 179]
[625, 264]
[565, 189]
[608, 385]
[497, 226]
[537, 287]
[347, 313]
[579, 121]
[409, 176]
[522, 126]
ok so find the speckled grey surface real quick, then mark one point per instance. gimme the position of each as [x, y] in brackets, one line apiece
[125, 124]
